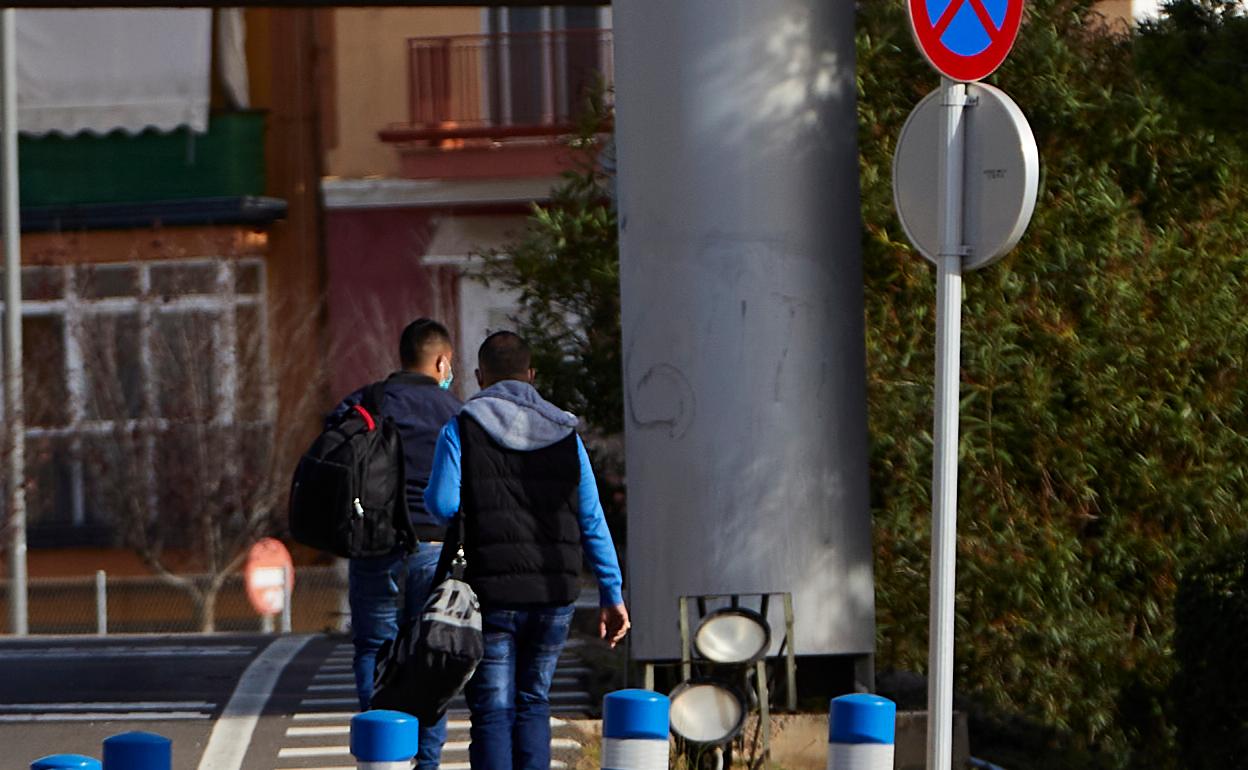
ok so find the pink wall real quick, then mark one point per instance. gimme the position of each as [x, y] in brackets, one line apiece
[377, 285]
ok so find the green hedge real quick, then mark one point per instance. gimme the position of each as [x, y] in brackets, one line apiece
[1211, 647]
[1104, 434]
[1104, 391]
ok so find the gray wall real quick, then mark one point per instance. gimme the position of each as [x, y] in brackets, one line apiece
[742, 290]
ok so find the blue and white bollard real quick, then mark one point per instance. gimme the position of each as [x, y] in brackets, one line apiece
[634, 730]
[862, 729]
[138, 751]
[66, 762]
[384, 740]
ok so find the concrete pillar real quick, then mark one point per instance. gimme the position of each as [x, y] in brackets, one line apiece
[741, 283]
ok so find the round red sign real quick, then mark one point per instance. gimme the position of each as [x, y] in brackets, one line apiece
[266, 572]
[965, 40]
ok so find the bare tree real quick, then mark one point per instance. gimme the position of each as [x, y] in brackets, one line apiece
[188, 460]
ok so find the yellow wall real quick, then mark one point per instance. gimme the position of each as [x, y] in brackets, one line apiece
[370, 58]
[1116, 10]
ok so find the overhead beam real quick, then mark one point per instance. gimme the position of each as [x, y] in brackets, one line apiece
[298, 3]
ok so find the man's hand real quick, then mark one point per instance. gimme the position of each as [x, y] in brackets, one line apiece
[613, 623]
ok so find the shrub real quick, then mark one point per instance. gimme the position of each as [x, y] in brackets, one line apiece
[1211, 649]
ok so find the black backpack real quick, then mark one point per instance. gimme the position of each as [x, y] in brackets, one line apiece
[348, 495]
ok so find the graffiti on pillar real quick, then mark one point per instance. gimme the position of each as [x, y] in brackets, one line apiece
[662, 398]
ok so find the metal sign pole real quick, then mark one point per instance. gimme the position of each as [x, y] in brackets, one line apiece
[14, 418]
[945, 430]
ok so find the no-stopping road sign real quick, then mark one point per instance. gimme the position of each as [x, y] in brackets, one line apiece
[965, 40]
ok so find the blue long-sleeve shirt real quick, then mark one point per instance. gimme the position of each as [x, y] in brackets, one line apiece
[442, 498]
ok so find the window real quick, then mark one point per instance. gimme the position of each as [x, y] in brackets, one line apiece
[545, 60]
[127, 366]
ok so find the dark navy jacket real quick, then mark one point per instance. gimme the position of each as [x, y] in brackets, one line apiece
[419, 408]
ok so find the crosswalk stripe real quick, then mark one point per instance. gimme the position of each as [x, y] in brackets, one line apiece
[343, 727]
[324, 716]
[76, 653]
[555, 764]
[111, 706]
[329, 702]
[292, 752]
[313, 751]
[331, 687]
[341, 679]
[555, 743]
[303, 732]
[106, 716]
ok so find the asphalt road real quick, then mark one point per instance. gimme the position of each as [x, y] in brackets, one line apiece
[236, 702]
[67, 694]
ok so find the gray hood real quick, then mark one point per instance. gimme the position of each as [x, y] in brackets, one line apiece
[517, 417]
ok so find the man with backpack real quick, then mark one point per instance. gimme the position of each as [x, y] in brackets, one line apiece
[418, 401]
[514, 468]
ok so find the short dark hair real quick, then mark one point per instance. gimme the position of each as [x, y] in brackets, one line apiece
[422, 338]
[504, 356]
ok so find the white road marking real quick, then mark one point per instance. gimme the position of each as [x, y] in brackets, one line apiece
[464, 724]
[107, 706]
[574, 670]
[555, 743]
[555, 764]
[331, 687]
[231, 735]
[314, 751]
[107, 716]
[344, 726]
[341, 751]
[325, 676]
[325, 716]
[330, 702]
[569, 697]
[75, 653]
[303, 732]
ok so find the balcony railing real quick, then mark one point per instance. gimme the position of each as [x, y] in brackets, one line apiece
[502, 85]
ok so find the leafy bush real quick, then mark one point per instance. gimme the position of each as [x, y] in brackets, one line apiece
[1211, 649]
[1104, 434]
[1104, 419]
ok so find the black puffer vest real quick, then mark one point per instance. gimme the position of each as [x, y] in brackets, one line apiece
[523, 537]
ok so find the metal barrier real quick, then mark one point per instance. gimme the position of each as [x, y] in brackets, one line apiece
[125, 751]
[384, 740]
[634, 730]
[66, 762]
[861, 732]
[138, 751]
[501, 85]
[111, 604]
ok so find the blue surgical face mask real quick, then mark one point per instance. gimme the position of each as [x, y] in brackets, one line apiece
[445, 384]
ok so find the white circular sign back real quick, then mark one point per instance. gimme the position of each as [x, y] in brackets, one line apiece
[1001, 180]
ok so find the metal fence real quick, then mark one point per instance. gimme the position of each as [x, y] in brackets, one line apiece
[517, 80]
[115, 604]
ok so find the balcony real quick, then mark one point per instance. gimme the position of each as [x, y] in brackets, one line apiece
[474, 97]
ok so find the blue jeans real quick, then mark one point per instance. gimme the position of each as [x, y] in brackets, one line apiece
[375, 616]
[509, 695]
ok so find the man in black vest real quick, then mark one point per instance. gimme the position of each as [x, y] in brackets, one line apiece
[418, 399]
[512, 464]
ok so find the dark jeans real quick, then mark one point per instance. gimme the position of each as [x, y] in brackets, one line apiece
[509, 694]
[375, 617]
